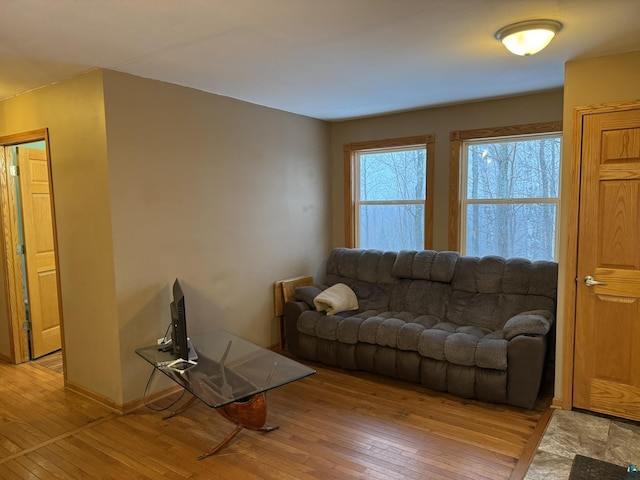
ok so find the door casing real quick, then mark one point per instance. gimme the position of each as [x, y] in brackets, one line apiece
[571, 258]
[14, 283]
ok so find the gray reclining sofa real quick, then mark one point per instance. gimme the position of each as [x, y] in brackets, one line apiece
[474, 327]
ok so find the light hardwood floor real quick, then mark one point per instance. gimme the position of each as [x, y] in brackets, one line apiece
[333, 425]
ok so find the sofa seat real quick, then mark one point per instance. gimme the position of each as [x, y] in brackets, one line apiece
[408, 331]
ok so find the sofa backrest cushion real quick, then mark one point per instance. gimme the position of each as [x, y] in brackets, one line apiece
[483, 292]
[424, 281]
[371, 266]
[367, 272]
[425, 265]
[492, 274]
[421, 296]
[487, 291]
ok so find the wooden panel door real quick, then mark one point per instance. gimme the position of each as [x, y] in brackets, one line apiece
[607, 335]
[40, 252]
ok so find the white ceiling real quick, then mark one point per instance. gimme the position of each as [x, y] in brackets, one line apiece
[328, 59]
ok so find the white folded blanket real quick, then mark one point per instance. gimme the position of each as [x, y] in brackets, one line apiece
[337, 298]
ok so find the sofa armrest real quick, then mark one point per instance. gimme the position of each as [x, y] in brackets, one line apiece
[534, 322]
[525, 367]
[307, 294]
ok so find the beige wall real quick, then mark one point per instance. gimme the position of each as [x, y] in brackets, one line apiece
[153, 181]
[614, 78]
[225, 195]
[73, 111]
[541, 107]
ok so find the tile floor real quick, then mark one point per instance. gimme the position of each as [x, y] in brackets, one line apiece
[570, 433]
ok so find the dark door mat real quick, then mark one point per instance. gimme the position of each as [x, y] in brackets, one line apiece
[585, 468]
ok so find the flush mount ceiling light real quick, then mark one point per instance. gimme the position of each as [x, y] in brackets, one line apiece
[527, 38]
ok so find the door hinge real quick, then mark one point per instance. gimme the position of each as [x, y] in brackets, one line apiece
[14, 170]
[26, 325]
[20, 250]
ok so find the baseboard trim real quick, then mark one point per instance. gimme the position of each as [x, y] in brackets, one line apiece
[134, 405]
[107, 402]
[122, 408]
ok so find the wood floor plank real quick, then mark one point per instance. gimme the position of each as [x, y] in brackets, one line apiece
[87, 468]
[334, 425]
[35, 471]
[42, 458]
[6, 473]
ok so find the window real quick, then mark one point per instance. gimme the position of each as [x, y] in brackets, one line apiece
[508, 192]
[389, 185]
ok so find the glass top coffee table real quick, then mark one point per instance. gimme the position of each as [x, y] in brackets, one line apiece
[230, 375]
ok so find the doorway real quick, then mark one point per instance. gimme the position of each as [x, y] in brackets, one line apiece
[29, 250]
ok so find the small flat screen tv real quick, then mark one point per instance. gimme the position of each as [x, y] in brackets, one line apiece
[179, 339]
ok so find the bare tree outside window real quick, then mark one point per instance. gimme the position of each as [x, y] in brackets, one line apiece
[391, 198]
[510, 205]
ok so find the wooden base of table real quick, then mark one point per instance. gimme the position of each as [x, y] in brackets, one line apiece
[251, 414]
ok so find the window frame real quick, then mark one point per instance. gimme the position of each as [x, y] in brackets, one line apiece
[457, 175]
[351, 152]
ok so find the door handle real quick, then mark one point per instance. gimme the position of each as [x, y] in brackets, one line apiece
[589, 281]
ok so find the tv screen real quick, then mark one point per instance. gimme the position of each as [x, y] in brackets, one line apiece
[179, 339]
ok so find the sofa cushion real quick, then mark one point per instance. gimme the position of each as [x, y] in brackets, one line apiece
[371, 266]
[478, 275]
[491, 310]
[319, 325]
[492, 353]
[344, 326]
[487, 291]
[399, 329]
[367, 272]
[425, 265]
[388, 332]
[477, 309]
[467, 346]
[348, 330]
[431, 343]
[420, 296]
[409, 335]
[369, 329]
[460, 349]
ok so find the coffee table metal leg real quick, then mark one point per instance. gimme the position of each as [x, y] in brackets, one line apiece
[184, 407]
[250, 414]
[222, 443]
